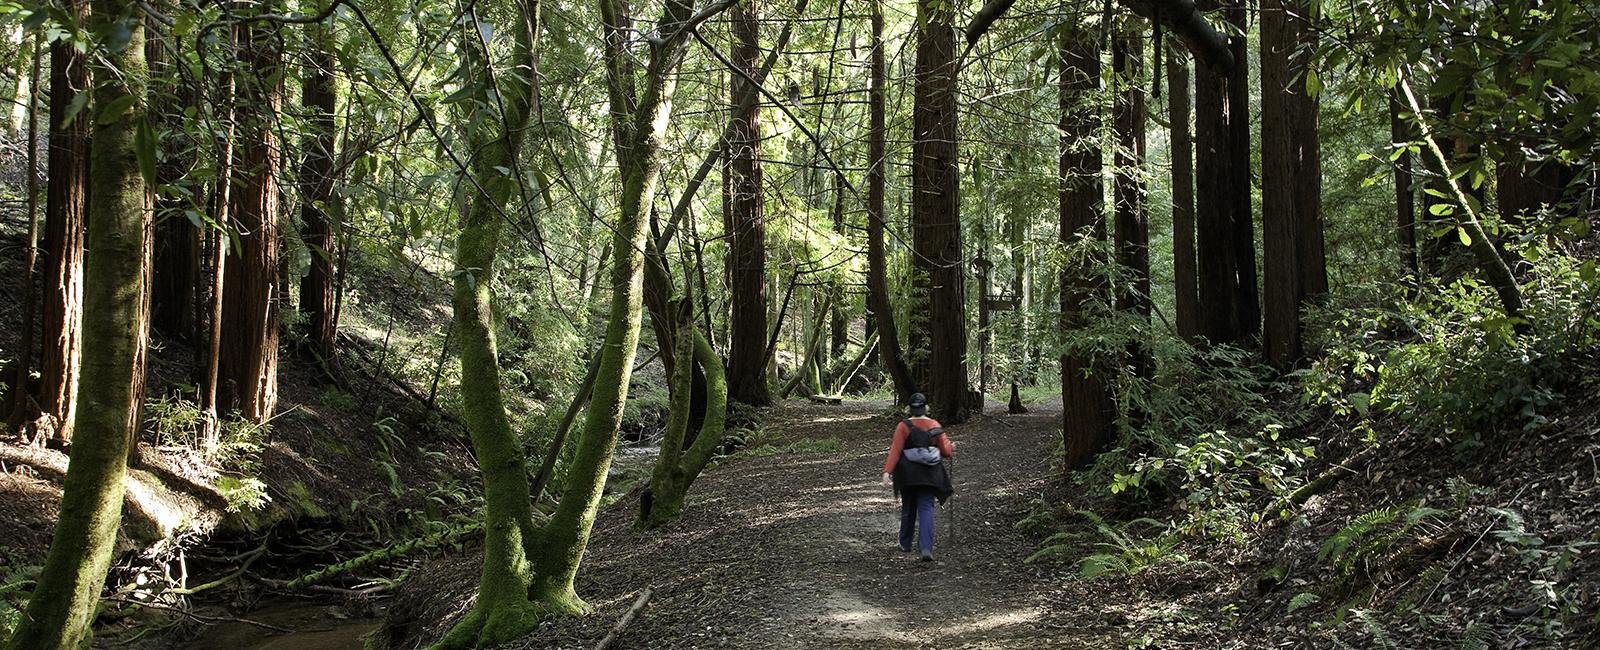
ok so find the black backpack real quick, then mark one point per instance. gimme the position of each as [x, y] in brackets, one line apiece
[921, 440]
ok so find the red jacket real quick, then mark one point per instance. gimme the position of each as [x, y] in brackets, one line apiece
[940, 440]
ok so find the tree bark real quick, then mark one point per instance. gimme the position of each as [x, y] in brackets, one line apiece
[1131, 233]
[1247, 302]
[118, 219]
[1281, 281]
[940, 274]
[1294, 268]
[1400, 135]
[747, 361]
[66, 194]
[22, 404]
[1185, 283]
[1213, 214]
[248, 363]
[883, 312]
[176, 262]
[318, 291]
[1088, 409]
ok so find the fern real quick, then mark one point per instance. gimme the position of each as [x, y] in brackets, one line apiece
[1375, 629]
[1337, 549]
[1475, 637]
[1422, 586]
[1301, 600]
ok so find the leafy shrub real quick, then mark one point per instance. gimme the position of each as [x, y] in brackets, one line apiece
[1445, 357]
[812, 446]
[1222, 473]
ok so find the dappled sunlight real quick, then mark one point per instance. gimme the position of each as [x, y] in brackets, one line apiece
[995, 621]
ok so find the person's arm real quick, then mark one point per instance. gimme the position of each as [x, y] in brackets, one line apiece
[943, 442]
[898, 445]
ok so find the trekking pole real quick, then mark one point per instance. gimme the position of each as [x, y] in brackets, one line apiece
[952, 500]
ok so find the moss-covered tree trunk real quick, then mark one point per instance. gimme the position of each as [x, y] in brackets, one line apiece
[559, 548]
[63, 604]
[503, 611]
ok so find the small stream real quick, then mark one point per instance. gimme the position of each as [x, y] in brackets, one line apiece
[316, 626]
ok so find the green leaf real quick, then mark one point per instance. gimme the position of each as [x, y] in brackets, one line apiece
[115, 110]
[79, 101]
[1466, 240]
[144, 148]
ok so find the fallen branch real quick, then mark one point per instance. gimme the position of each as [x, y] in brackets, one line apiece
[627, 619]
[201, 618]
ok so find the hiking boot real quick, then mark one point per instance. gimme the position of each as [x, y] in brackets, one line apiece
[927, 556]
[905, 549]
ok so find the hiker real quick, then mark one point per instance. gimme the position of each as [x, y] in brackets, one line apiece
[915, 468]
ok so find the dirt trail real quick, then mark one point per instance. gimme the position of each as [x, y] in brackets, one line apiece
[800, 550]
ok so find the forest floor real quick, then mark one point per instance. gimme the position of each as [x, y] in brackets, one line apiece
[800, 550]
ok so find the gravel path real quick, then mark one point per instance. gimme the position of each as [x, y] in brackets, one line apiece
[800, 550]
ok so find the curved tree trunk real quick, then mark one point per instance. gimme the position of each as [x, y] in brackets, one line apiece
[63, 603]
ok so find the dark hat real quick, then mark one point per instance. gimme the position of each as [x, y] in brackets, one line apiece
[918, 404]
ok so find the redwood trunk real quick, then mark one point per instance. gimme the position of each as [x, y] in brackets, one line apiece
[1185, 283]
[1280, 226]
[940, 278]
[1213, 209]
[747, 358]
[1246, 303]
[249, 355]
[877, 281]
[318, 291]
[1404, 195]
[1131, 233]
[1088, 410]
[66, 193]
[176, 272]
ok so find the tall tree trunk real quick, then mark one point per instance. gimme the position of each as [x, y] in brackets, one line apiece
[22, 404]
[1131, 233]
[66, 193]
[1400, 135]
[558, 550]
[63, 603]
[1214, 209]
[318, 291]
[1308, 163]
[1281, 281]
[503, 610]
[940, 277]
[1291, 211]
[176, 262]
[747, 247]
[1185, 282]
[1247, 300]
[883, 312]
[249, 357]
[1088, 409]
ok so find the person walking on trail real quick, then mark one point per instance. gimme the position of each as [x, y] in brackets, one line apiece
[915, 468]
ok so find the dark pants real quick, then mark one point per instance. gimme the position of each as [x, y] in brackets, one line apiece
[916, 514]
